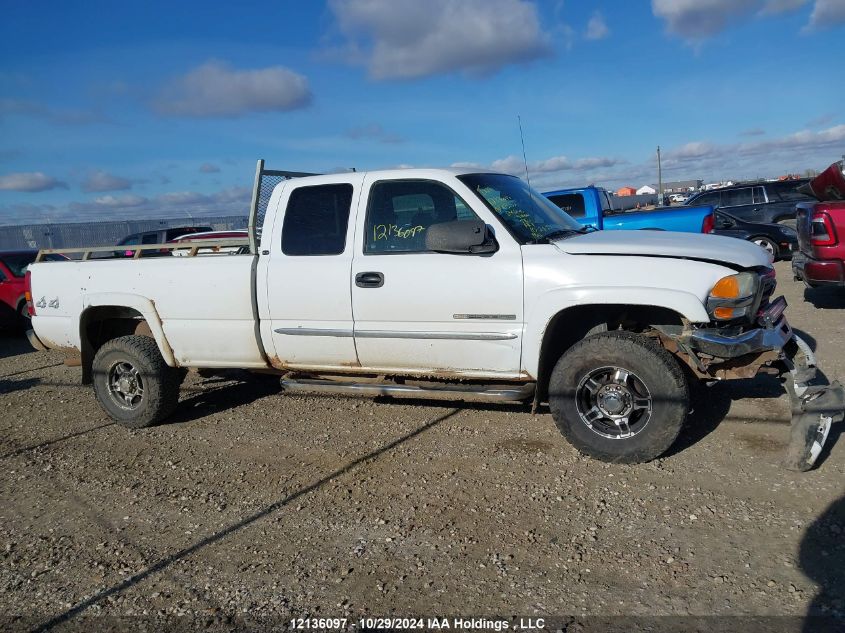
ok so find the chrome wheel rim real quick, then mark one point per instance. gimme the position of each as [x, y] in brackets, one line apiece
[613, 402]
[766, 245]
[125, 385]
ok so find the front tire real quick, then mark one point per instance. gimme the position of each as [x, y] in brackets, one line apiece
[133, 384]
[619, 397]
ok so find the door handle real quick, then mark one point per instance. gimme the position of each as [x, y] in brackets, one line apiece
[369, 280]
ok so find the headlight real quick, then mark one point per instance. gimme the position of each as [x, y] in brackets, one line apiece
[732, 296]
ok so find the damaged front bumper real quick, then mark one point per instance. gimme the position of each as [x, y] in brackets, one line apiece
[815, 405]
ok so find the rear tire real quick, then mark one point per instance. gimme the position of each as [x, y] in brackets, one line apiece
[133, 384]
[766, 244]
[619, 397]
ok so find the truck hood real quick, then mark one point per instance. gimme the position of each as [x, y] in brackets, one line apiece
[709, 248]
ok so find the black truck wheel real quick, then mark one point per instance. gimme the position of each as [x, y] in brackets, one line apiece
[619, 397]
[132, 382]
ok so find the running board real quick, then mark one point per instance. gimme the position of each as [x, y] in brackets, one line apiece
[485, 393]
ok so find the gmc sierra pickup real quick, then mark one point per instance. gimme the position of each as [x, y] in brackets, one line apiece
[441, 283]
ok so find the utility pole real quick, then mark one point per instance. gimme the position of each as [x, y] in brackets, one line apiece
[659, 180]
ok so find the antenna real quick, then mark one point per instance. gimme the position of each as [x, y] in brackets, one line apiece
[524, 160]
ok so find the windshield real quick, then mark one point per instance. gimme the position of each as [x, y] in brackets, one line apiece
[530, 216]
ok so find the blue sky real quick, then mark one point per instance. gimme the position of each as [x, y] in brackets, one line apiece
[113, 110]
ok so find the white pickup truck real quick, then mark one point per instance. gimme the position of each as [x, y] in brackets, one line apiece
[440, 283]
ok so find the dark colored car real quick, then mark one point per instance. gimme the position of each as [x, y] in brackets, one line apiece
[780, 240]
[821, 235]
[13, 312]
[159, 236]
[764, 202]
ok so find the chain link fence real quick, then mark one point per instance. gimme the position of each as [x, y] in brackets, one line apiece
[80, 234]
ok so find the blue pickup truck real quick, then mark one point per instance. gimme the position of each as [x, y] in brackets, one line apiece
[591, 207]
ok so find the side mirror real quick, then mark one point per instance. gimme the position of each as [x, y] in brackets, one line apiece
[460, 236]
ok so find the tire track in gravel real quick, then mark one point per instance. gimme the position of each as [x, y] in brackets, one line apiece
[164, 563]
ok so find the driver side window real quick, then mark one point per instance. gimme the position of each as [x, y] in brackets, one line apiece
[400, 212]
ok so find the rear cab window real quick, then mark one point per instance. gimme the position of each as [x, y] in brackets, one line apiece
[573, 203]
[316, 220]
[786, 191]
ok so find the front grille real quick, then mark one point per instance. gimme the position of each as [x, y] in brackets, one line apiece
[768, 283]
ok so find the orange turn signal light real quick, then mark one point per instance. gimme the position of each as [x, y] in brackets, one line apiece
[723, 313]
[726, 288]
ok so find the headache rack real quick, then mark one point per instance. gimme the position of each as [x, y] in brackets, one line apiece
[265, 181]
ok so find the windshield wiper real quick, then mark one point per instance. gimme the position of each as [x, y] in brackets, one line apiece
[557, 233]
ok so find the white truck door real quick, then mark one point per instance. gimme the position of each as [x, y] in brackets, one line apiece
[309, 257]
[421, 311]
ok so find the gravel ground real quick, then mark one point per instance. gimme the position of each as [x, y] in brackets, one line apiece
[252, 504]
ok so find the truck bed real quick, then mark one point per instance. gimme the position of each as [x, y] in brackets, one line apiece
[204, 303]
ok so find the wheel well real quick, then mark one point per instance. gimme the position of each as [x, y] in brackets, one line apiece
[103, 323]
[569, 326]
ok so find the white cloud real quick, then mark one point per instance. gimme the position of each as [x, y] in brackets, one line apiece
[752, 158]
[404, 39]
[182, 197]
[696, 20]
[181, 204]
[22, 107]
[117, 202]
[30, 182]
[515, 165]
[209, 168]
[791, 153]
[833, 137]
[374, 132]
[597, 27]
[781, 6]
[826, 13]
[99, 181]
[218, 90]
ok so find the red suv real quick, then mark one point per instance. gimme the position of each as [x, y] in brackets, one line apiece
[13, 312]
